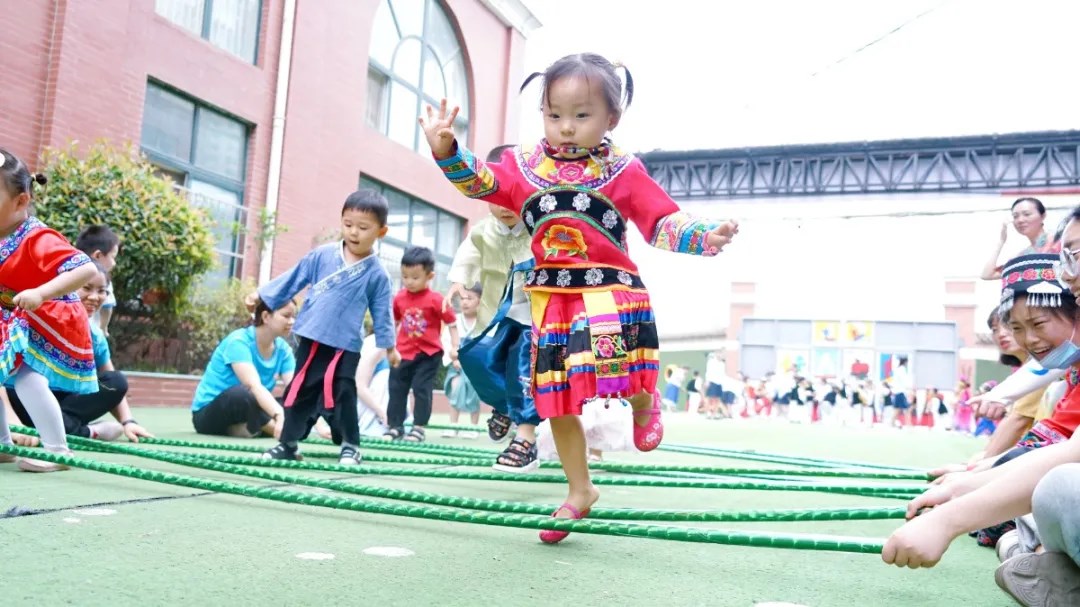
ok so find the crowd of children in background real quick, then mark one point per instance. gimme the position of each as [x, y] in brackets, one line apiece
[848, 401]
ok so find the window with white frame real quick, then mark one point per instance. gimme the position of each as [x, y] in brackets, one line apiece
[205, 153]
[415, 59]
[232, 25]
[413, 222]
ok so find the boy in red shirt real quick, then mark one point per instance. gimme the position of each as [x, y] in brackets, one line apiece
[420, 316]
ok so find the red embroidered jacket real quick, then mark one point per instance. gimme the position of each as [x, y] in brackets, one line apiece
[577, 213]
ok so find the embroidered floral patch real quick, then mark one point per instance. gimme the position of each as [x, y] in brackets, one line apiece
[563, 239]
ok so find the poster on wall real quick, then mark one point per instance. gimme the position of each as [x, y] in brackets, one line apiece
[826, 363]
[858, 362]
[800, 359]
[826, 332]
[889, 361]
[858, 332]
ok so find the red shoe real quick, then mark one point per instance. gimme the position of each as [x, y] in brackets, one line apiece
[550, 536]
[649, 436]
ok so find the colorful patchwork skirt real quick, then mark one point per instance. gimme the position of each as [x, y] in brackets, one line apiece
[53, 340]
[591, 345]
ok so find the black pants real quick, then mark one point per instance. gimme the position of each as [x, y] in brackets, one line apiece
[322, 369]
[79, 410]
[237, 405]
[419, 375]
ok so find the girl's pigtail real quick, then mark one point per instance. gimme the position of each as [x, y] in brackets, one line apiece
[529, 79]
[629, 84]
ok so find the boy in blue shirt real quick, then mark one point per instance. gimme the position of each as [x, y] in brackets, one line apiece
[346, 281]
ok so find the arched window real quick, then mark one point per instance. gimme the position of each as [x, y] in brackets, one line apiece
[415, 59]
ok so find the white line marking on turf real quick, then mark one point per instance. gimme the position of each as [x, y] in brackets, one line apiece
[775, 604]
[95, 511]
[72, 520]
[315, 556]
[388, 551]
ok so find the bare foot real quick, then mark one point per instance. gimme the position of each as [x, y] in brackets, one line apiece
[580, 500]
[641, 404]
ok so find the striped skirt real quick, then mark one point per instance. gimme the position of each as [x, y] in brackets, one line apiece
[591, 345]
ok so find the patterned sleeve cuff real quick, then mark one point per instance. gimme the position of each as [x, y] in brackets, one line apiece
[75, 261]
[468, 174]
[682, 233]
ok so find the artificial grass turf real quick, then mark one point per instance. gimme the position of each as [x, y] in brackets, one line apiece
[215, 549]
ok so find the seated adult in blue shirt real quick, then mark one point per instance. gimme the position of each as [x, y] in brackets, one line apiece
[234, 397]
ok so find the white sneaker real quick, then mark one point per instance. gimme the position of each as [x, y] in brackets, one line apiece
[1008, 545]
[27, 464]
[469, 434]
[106, 431]
[349, 456]
[449, 433]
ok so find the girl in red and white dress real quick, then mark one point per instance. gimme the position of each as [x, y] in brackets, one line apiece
[594, 335]
[44, 337]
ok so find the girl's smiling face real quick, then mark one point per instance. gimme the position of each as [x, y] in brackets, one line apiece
[93, 293]
[1039, 330]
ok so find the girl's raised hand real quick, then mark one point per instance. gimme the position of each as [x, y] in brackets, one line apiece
[722, 235]
[438, 128]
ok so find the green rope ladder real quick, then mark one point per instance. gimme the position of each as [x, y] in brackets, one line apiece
[520, 514]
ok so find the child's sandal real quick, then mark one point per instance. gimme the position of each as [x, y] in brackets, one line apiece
[519, 457]
[393, 434]
[416, 435]
[498, 427]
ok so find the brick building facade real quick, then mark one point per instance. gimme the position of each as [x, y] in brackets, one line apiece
[198, 86]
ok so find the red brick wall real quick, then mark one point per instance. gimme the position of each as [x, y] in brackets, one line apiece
[80, 74]
[328, 144]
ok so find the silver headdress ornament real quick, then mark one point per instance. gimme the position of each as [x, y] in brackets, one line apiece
[1045, 295]
[1008, 297]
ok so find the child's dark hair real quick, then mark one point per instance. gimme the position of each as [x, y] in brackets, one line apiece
[418, 256]
[97, 238]
[1039, 206]
[592, 67]
[368, 201]
[496, 152]
[476, 288]
[260, 307]
[16, 177]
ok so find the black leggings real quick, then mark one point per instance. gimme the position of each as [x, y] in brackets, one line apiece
[237, 405]
[79, 410]
[323, 372]
[418, 374]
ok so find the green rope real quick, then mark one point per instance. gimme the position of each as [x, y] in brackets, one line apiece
[748, 454]
[606, 466]
[867, 490]
[701, 516]
[794, 460]
[773, 540]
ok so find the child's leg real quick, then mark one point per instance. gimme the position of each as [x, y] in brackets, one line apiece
[474, 417]
[423, 383]
[455, 415]
[569, 438]
[400, 378]
[5, 432]
[42, 406]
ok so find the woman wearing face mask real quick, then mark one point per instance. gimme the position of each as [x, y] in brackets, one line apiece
[1028, 219]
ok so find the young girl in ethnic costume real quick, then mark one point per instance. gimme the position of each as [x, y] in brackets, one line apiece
[44, 337]
[593, 330]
